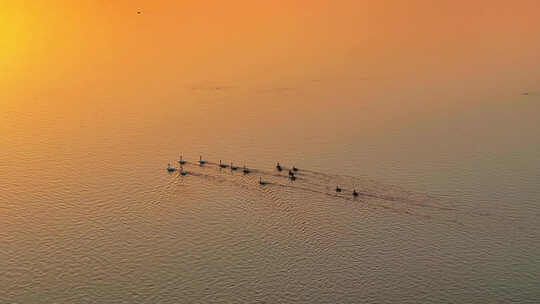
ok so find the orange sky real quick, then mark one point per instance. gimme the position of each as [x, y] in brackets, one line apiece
[47, 45]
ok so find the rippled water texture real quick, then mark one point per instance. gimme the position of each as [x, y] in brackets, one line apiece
[90, 213]
[430, 111]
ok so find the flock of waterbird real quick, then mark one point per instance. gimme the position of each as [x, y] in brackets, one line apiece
[245, 170]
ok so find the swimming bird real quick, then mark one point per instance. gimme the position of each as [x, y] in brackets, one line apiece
[222, 165]
[169, 168]
[261, 182]
[201, 161]
[354, 193]
[338, 189]
[278, 167]
[182, 171]
[233, 167]
[182, 161]
[246, 170]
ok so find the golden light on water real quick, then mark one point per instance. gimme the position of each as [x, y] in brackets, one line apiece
[419, 105]
[47, 45]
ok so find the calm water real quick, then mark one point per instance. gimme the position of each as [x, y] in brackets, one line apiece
[448, 212]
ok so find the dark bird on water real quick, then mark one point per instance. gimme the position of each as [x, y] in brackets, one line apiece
[181, 161]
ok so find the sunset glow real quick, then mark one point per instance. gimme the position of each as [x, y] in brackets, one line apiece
[413, 126]
[80, 43]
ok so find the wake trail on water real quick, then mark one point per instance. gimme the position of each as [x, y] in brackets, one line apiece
[370, 192]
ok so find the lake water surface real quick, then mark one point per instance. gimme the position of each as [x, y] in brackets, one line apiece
[448, 209]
